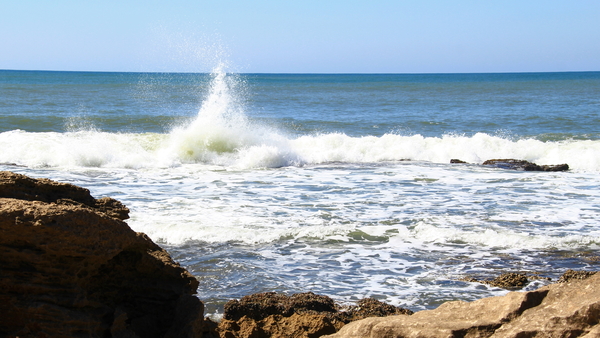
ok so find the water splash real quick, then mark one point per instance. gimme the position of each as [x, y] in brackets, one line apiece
[222, 134]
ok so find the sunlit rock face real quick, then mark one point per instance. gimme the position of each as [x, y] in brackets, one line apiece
[71, 267]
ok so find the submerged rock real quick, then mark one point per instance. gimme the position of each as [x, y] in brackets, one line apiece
[70, 267]
[524, 165]
[455, 160]
[513, 164]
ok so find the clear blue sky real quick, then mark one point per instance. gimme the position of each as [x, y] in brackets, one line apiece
[324, 36]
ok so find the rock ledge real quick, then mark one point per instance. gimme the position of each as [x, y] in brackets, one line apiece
[568, 309]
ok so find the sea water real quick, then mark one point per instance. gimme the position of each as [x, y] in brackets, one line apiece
[339, 184]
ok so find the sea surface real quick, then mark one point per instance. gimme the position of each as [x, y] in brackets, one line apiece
[339, 184]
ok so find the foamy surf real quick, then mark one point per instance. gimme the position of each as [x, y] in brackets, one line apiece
[274, 192]
[241, 144]
[222, 134]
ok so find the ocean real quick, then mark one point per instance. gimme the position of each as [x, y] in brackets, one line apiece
[339, 184]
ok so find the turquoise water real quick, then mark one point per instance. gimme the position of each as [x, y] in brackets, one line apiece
[336, 184]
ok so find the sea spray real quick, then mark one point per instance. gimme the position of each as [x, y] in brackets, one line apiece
[301, 193]
[222, 134]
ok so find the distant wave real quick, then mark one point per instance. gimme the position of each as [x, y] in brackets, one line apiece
[221, 134]
[250, 147]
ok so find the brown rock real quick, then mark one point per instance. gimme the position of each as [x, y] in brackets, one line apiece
[70, 267]
[277, 326]
[455, 160]
[370, 307]
[574, 275]
[301, 315]
[271, 314]
[509, 280]
[21, 187]
[261, 305]
[569, 309]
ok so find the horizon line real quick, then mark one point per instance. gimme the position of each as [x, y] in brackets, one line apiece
[301, 73]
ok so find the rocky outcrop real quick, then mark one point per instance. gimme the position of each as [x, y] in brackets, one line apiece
[522, 165]
[568, 309]
[303, 315]
[70, 267]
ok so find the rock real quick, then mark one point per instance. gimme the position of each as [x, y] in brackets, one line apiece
[508, 281]
[271, 314]
[455, 160]
[295, 326]
[524, 165]
[262, 305]
[301, 315]
[70, 267]
[574, 275]
[370, 307]
[25, 188]
[570, 309]
[518, 165]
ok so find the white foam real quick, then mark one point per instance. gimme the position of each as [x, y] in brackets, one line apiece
[501, 238]
[222, 134]
[244, 146]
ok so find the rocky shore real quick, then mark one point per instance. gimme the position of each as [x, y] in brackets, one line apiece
[568, 309]
[71, 267]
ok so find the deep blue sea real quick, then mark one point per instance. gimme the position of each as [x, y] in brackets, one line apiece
[340, 184]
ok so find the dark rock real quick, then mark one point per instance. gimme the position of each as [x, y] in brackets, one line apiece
[508, 281]
[370, 307]
[575, 275]
[70, 267]
[277, 326]
[454, 160]
[301, 315]
[524, 165]
[261, 305]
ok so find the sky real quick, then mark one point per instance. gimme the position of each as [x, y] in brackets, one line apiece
[324, 36]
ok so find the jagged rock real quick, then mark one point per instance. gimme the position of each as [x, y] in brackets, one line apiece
[70, 267]
[570, 309]
[524, 165]
[302, 315]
